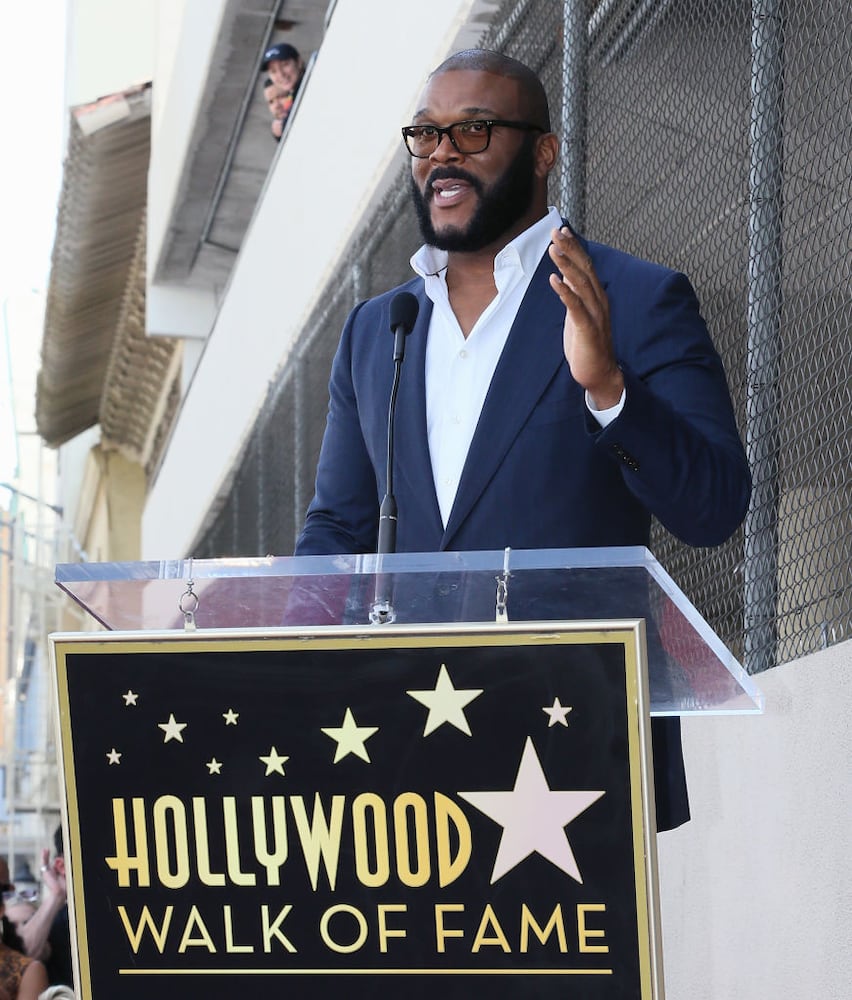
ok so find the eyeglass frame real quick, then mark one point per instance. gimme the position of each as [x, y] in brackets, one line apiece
[489, 123]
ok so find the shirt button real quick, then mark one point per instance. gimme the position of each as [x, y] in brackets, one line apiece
[456, 418]
[462, 353]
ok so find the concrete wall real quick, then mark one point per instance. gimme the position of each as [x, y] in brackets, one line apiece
[313, 202]
[186, 34]
[757, 889]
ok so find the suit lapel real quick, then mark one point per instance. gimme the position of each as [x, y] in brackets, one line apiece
[413, 463]
[531, 357]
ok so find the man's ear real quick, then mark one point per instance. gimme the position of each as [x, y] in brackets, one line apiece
[546, 153]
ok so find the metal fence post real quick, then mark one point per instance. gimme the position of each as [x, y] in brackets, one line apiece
[765, 272]
[572, 183]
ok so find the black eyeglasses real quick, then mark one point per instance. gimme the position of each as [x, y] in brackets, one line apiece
[467, 137]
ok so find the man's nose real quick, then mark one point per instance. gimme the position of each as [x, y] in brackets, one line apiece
[445, 149]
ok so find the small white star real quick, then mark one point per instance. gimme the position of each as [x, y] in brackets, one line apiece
[533, 818]
[445, 703]
[350, 737]
[172, 729]
[230, 717]
[558, 713]
[274, 762]
[214, 766]
[114, 757]
[130, 698]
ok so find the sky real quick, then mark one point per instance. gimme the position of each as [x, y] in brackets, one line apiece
[32, 83]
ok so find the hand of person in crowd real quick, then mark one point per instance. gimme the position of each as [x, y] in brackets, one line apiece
[277, 127]
[587, 336]
[53, 876]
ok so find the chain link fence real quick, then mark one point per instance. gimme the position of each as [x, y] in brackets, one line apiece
[713, 137]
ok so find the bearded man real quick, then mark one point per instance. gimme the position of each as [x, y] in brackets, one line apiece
[556, 392]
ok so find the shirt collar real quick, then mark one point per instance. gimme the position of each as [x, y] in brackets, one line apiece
[527, 249]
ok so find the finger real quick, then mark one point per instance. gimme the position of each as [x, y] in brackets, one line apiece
[577, 308]
[575, 263]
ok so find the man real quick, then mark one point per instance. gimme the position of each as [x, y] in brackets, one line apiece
[279, 101]
[555, 393]
[284, 66]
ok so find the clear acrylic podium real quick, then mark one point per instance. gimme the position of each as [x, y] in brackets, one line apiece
[360, 774]
[690, 669]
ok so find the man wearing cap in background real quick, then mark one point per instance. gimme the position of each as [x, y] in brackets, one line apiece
[284, 66]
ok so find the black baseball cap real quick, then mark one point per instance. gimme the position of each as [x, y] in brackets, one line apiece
[283, 52]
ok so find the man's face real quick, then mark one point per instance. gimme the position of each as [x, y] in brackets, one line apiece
[285, 73]
[278, 100]
[466, 203]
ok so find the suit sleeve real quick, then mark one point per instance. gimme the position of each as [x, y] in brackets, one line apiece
[343, 515]
[676, 438]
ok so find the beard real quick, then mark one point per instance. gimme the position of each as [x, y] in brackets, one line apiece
[500, 206]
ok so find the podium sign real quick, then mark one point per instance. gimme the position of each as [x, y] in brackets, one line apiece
[454, 810]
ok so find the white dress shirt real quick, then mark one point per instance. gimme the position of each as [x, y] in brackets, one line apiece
[459, 369]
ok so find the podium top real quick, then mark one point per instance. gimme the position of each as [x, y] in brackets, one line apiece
[690, 669]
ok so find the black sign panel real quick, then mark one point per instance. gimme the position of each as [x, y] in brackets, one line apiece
[432, 812]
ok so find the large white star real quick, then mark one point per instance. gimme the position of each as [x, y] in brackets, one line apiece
[533, 818]
[350, 737]
[173, 729]
[445, 703]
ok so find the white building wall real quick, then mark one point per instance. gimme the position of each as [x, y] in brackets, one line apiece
[186, 33]
[339, 147]
[757, 888]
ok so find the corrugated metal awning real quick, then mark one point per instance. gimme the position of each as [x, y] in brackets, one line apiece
[101, 212]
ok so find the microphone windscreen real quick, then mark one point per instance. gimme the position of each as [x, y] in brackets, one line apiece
[403, 311]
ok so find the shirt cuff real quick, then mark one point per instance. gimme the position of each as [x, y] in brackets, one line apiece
[606, 417]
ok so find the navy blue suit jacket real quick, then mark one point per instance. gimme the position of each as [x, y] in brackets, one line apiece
[540, 472]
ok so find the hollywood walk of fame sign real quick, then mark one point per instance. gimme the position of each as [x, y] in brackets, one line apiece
[440, 810]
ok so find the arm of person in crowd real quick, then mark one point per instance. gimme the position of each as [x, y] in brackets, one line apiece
[675, 436]
[34, 933]
[33, 982]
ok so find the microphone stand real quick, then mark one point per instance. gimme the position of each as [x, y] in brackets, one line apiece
[403, 312]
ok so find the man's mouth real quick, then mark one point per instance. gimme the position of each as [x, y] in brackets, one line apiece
[448, 191]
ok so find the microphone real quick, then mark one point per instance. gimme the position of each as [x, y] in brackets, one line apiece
[403, 315]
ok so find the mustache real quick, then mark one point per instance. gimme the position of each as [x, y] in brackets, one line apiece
[451, 173]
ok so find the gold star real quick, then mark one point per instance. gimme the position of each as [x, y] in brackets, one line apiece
[114, 757]
[274, 762]
[172, 729]
[130, 698]
[230, 717]
[445, 703]
[214, 766]
[557, 713]
[350, 737]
